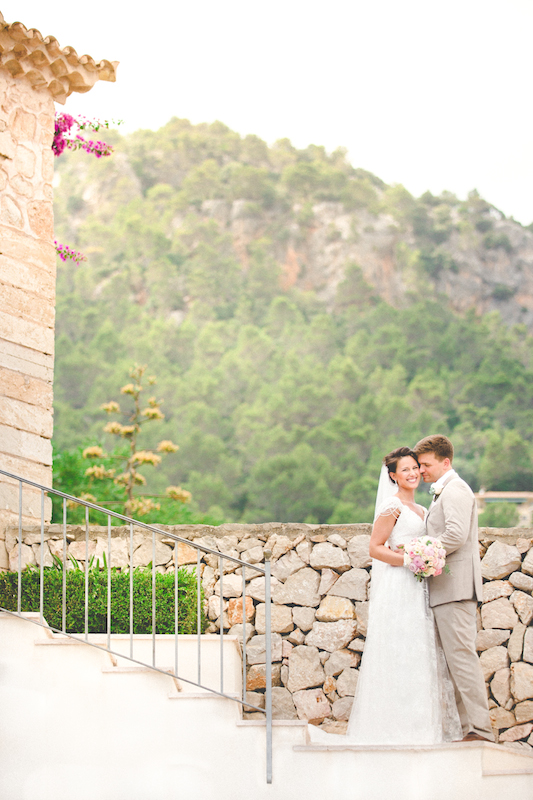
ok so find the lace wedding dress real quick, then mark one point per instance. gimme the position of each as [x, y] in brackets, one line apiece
[404, 694]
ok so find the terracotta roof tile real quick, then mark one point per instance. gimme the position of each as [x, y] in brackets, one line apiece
[24, 52]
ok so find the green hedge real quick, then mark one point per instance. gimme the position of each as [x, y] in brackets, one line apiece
[120, 599]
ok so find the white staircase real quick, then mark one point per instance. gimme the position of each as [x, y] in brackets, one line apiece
[79, 724]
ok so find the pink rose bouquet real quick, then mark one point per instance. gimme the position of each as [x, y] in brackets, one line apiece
[425, 557]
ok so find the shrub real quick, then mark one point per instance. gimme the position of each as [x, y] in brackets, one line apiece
[503, 292]
[494, 240]
[499, 515]
[120, 599]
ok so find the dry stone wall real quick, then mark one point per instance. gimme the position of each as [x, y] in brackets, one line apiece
[321, 581]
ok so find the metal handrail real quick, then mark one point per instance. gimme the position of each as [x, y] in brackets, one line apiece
[177, 539]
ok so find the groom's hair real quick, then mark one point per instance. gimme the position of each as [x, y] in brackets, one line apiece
[438, 444]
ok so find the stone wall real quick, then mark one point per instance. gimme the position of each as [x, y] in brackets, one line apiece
[321, 579]
[27, 288]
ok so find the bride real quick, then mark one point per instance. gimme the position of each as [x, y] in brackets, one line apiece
[404, 694]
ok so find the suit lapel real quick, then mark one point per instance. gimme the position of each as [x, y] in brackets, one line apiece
[435, 498]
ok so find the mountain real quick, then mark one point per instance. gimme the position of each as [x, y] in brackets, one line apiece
[302, 316]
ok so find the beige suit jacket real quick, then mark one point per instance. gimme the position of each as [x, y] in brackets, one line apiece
[452, 518]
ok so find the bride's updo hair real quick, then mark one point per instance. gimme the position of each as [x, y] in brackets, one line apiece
[391, 459]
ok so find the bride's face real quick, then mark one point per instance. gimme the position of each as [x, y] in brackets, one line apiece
[407, 474]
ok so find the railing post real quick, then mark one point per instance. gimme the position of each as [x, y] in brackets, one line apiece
[268, 669]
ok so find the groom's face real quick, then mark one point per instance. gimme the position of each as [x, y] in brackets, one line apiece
[431, 468]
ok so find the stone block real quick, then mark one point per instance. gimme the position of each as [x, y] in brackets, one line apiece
[358, 645]
[516, 733]
[361, 613]
[282, 704]
[29, 362]
[11, 212]
[524, 711]
[521, 581]
[256, 677]
[326, 555]
[296, 637]
[358, 551]
[287, 565]
[527, 564]
[256, 588]
[25, 389]
[26, 445]
[26, 417]
[15, 329]
[327, 579]
[7, 145]
[523, 605]
[528, 645]
[280, 618]
[499, 561]
[352, 584]
[235, 611]
[48, 561]
[491, 638]
[21, 246]
[499, 614]
[337, 539]
[521, 681]
[24, 125]
[501, 718]
[347, 682]
[516, 642]
[304, 551]
[237, 630]
[255, 699]
[501, 686]
[256, 649]
[342, 707]
[305, 669]
[253, 556]
[31, 501]
[41, 218]
[301, 589]
[493, 659]
[494, 589]
[304, 617]
[25, 161]
[231, 586]
[312, 705]
[27, 557]
[143, 555]
[331, 636]
[332, 609]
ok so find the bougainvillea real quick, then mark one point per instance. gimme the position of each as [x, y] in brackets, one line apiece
[66, 137]
[65, 253]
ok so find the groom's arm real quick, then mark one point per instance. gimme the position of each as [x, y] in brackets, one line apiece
[457, 507]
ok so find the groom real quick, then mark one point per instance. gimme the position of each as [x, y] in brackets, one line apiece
[452, 518]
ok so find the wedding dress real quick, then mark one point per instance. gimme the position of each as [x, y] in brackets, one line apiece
[404, 694]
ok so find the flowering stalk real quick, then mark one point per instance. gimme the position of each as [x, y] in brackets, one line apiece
[130, 477]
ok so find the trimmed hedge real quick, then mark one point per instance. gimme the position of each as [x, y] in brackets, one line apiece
[120, 599]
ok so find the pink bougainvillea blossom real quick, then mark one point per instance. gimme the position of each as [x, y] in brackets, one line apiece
[65, 253]
[65, 135]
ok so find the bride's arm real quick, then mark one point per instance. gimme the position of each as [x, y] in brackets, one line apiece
[380, 533]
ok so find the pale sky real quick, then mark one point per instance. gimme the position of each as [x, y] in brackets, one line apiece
[433, 94]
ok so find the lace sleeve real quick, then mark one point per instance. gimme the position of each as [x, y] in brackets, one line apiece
[391, 506]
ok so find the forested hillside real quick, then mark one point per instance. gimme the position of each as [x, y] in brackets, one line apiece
[302, 317]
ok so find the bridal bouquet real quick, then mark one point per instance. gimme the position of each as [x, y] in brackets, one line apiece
[425, 557]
